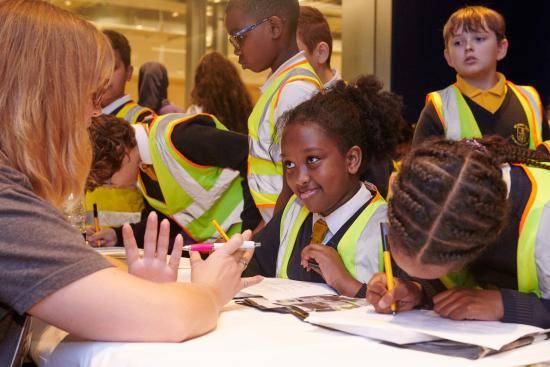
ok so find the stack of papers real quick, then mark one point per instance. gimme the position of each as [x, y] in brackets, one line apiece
[422, 325]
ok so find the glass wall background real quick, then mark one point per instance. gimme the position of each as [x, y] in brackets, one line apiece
[158, 31]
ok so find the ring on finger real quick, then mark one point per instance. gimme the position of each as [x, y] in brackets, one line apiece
[244, 262]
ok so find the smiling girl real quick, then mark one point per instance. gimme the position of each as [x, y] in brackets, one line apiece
[325, 144]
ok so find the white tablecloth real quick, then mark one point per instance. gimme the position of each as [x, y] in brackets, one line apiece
[246, 337]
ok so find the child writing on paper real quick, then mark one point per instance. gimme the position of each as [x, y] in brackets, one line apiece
[181, 167]
[478, 212]
[325, 143]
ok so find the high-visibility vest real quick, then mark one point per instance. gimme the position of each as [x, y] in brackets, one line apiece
[458, 121]
[265, 173]
[533, 240]
[133, 113]
[193, 194]
[115, 205]
[359, 248]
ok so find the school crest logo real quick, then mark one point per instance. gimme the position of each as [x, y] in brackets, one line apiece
[521, 134]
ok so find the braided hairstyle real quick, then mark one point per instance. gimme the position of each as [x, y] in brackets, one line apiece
[449, 199]
[358, 113]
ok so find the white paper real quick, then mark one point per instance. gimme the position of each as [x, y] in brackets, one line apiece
[276, 289]
[365, 321]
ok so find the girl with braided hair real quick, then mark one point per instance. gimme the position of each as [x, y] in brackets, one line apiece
[325, 144]
[477, 212]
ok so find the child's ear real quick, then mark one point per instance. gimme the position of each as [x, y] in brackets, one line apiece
[502, 49]
[322, 52]
[276, 26]
[129, 72]
[354, 156]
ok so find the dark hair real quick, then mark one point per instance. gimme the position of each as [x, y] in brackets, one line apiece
[112, 138]
[473, 19]
[288, 10]
[359, 113]
[313, 29]
[449, 199]
[220, 91]
[121, 45]
[153, 85]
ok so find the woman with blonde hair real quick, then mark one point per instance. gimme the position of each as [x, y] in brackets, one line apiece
[54, 68]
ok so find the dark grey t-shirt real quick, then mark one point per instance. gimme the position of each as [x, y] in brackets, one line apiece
[40, 252]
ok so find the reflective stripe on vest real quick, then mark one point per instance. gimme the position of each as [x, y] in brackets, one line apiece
[458, 121]
[532, 236]
[264, 171]
[131, 112]
[359, 248]
[533, 242]
[193, 194]
[544, 147]
[116, 206]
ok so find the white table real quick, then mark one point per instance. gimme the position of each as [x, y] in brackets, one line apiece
[246, 336]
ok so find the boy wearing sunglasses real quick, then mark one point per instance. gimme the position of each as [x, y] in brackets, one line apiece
[263, 34]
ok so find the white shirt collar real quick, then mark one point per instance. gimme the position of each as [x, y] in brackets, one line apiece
[142, 140]
[300, 56]
[340, 216]
[116, 104]
[335, 78]
[506, 169]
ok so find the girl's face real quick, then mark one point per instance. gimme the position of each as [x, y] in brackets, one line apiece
[316, 170]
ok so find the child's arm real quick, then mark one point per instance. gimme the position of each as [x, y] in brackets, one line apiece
[331, 268]
[505, 305]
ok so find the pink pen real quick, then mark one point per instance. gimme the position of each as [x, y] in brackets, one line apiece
[207, 247]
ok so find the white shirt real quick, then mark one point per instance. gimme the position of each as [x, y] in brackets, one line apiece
[335, 78]
[143, 144]
[292, 93]
[341, 215]
[107, 110]
[506, 177]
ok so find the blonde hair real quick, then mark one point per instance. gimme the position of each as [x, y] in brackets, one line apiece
[52, 64]
[473, 19]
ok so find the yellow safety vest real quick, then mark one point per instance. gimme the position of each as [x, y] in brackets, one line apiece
[133, 113]
[193, 194]
[533, 238]
[115, 205]
[459, 122]
[359, 248]
[265, 173]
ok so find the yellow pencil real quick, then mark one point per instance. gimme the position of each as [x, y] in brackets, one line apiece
[387, 262]
[96, 223]
[220, 230]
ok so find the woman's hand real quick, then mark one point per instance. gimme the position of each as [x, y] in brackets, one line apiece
[406, 294]
[331, 268]
[152, 266]
[223, 268]
[469, 304]
[104, 238]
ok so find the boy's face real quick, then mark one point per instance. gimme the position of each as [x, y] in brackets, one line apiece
[117, 84]
[255, 51]
[475, 54]
[316, 170]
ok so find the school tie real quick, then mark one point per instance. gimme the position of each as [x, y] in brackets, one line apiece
[319, 232]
